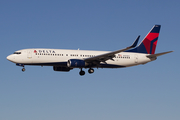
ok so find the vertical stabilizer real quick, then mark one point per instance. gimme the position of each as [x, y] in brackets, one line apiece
[148, 44]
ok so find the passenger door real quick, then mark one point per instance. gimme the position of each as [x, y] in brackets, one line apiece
[29, 54]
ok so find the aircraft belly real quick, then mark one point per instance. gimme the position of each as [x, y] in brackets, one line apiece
[62, 64]
[118, 63]
[110, 66]
[47, 61]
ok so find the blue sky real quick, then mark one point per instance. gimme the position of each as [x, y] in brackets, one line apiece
[142, 92]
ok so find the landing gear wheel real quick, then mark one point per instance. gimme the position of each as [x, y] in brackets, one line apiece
[91, 70]
[23, 69]
[82, 73]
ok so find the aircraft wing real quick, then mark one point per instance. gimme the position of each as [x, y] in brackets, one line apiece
[110, 55]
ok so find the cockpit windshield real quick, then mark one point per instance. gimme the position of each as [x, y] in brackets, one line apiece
[17, 53]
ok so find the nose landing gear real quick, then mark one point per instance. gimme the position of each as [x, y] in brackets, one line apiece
[23, 69]
[22, 65]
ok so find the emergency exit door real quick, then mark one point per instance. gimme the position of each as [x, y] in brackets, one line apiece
[136, 58]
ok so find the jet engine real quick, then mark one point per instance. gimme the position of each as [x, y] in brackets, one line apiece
[76, 63]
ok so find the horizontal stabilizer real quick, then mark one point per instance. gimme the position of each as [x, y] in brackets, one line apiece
[158, 54]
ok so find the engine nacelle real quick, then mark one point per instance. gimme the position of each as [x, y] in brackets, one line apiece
[76, 63]
[63, 69]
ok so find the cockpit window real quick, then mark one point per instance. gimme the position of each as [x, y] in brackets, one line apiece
[17, 53]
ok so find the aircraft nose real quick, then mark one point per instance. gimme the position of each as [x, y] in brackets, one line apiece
[10, 58]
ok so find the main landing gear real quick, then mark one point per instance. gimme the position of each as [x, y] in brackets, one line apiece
[91, 70]
[82, 72]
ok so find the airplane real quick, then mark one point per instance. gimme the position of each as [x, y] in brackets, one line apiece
[65, 60]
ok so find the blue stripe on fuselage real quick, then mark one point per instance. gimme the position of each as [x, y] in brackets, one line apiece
[64, 64]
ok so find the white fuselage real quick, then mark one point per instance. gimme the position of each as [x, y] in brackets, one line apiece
[65, 60]
[59, 57]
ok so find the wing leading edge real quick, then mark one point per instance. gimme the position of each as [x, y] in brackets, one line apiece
[110, 55]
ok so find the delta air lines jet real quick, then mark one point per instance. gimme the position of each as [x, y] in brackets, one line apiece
[66, 60]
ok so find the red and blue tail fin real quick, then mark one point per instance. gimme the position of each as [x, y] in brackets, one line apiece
[148, 45]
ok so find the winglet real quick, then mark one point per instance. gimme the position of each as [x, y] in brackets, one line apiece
[135, 42]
